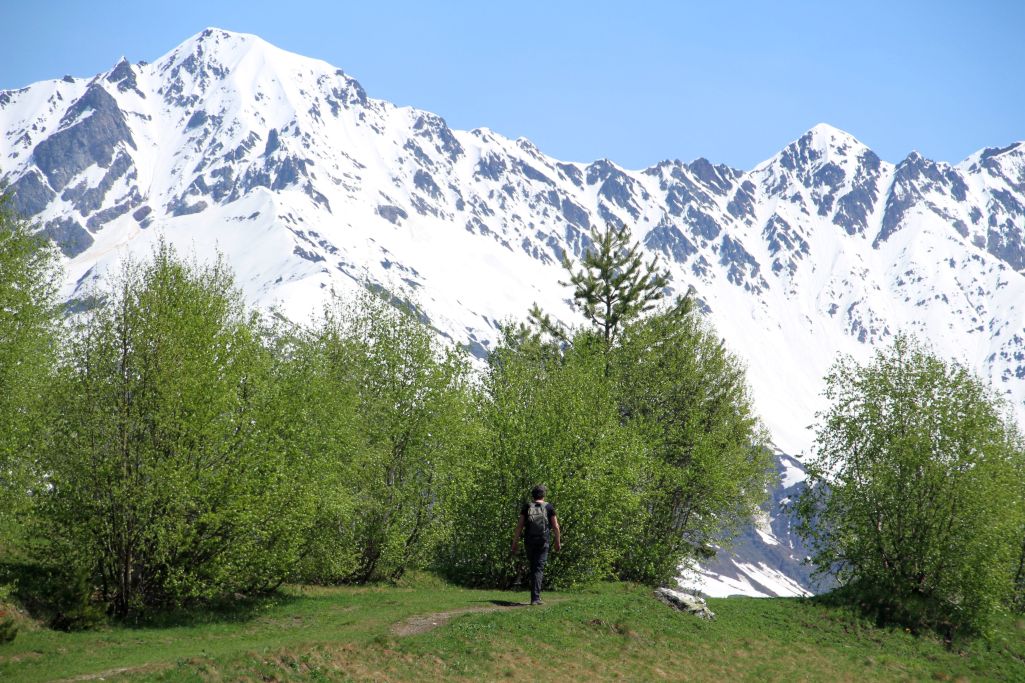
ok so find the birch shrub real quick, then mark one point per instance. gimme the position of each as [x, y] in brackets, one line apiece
[164, 484]
[29, 278]
[548, 417]
[915, 501]
[409, 401]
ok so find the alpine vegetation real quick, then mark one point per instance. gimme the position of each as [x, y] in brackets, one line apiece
[917, 496]
[163, 481]
[388, 413]
[181, 448]
[640, 424]
[29, 323]
[192, 451]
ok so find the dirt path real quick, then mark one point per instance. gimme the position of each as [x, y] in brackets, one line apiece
[102, 675]
[426, 622]
[410, 626]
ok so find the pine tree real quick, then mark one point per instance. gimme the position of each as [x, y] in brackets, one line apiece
[613, 284]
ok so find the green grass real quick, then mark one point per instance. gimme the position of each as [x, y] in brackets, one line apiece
[612, 632]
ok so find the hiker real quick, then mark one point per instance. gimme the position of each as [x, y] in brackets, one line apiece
[537, 518]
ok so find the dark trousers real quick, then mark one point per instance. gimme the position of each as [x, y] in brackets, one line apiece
[537, 555]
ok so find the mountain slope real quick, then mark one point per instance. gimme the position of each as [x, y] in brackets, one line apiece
[307, 185]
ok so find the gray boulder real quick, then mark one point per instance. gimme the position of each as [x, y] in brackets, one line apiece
[685, 602]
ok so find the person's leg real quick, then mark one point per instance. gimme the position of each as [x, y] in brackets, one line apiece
[537, 555]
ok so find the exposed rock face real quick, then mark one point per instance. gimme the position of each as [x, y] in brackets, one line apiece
[88, 134]
[69, 236]
[31, 195]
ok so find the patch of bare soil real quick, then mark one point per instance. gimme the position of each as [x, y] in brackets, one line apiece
[13, 659]
[102, 675]
[426, 622]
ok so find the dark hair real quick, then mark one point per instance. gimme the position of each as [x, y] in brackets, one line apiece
[538, 492]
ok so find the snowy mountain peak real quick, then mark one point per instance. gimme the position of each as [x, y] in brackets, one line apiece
[828, 140]
[216, 46]
[826, 172]
[308, 185]
[822, 146]
[1006, 164]
[247, 71]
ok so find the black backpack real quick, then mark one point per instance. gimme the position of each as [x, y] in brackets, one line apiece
[537, 522]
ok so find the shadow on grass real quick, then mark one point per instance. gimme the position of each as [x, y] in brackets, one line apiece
[918, 614]
[224, 610]
[64, 601]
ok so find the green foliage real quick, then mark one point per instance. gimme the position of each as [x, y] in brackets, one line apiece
[57, 593]
[29, 277]
[194, 453]
[548, 418]
[165, 483]
[613, 284]
[704, 467]
[916, 497]
[709, 468]
[317, 425]
[408, 420]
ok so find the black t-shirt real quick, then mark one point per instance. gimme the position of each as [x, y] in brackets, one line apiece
[549, 509]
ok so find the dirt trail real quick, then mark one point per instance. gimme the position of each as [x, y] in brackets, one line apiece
[102, 675]
[421, 623]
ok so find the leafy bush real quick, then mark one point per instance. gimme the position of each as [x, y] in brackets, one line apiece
[915, 503]
[708, 467]
[548, 418]
[29, 278]
[59, 594]
[396, 413]
[163, 484]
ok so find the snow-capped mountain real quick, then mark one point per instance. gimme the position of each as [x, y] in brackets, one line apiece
[765, 559]
[307, 185]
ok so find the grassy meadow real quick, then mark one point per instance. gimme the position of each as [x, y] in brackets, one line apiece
[425, 630]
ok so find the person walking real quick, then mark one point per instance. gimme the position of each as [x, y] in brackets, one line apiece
[537, 520]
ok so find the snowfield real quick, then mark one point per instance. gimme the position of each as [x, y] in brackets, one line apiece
[308, 186]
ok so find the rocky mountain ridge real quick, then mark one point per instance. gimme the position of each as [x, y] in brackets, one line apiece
[307, 185]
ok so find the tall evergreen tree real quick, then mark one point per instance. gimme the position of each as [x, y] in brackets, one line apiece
[704, 462]
[613, 284]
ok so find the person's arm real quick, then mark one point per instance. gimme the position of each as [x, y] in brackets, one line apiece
[558, 532]
[519, 530]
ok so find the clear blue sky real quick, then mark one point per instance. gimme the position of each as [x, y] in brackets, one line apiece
[636, 82]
